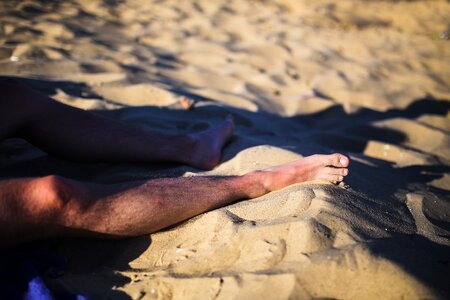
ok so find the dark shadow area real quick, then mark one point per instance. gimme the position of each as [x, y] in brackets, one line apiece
[429, 262]
[323, 132]
[94, 172]
[417, 108]
[102, 257]
[44, 260]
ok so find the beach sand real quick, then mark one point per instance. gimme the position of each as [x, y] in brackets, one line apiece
[370, 79]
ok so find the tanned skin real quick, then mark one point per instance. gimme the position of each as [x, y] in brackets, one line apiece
[52, 206]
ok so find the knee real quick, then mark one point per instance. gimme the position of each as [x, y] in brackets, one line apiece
[33, 208]
[47, 197]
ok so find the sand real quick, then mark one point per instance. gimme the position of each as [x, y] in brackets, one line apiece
[366, 78]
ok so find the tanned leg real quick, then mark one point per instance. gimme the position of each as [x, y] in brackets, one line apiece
[80, 135]
[39, 208]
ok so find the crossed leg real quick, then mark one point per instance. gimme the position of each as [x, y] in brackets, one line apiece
[81, 135]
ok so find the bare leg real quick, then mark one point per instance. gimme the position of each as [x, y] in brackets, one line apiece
[80, 135]
[52, 206]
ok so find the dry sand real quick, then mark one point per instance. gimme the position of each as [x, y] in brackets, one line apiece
[367, 78]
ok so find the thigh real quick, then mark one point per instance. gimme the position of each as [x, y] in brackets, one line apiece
[18, 104]
[11, 112]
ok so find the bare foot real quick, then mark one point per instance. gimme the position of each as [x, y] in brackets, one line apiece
[331, 167]
[208, 144]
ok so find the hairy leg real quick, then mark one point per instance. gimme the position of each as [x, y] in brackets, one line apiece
[81, 135]
[53, 206]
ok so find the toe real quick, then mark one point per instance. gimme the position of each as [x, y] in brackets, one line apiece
[338, 160]
[343, 160]
[343, 171]
[337, 171]
[229, 120]
[334, 178]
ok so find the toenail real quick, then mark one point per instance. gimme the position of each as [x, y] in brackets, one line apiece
[342, 161]
[345, 172]
[341, 178]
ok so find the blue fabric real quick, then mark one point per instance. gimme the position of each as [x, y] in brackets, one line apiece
[21, 275]
[37, 290]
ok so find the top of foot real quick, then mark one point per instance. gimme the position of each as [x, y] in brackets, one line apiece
[332, 168]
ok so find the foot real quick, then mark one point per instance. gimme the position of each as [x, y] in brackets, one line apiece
[208, 144]
[332, 168]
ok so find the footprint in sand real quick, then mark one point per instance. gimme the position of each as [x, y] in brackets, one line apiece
[424, 226]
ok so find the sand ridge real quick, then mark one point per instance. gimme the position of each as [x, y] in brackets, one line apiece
[366, 78]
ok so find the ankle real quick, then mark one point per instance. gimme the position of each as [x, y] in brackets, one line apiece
[256, 184]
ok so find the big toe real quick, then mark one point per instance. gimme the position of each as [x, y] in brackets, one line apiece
[229, 118]
[228, 126]
[339, 160]
[230, 121]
